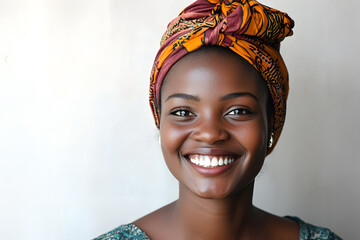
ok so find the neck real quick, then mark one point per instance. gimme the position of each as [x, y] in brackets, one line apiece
[227, 218]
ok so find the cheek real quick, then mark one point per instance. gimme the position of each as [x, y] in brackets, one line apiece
[172, 138]
[257, 147]
[253, 138]
[256, 140]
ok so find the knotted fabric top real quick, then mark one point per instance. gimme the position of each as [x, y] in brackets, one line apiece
[246, 27]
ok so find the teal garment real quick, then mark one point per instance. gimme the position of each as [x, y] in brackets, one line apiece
[307, 232]
[124, 232]
[311, 232]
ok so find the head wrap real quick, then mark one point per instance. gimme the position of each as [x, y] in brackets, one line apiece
[246, 27]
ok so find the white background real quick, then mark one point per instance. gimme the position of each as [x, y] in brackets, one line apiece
[78, 147]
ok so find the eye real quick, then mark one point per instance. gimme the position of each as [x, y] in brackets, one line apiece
[183, 112]
[239, 111]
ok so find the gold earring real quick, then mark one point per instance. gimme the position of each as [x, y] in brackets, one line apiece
[271, 140]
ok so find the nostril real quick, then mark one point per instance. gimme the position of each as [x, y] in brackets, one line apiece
[210, 135]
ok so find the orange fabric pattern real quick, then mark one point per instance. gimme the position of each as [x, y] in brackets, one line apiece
[246, 27]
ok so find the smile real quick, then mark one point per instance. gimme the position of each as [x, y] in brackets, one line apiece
[210, 161]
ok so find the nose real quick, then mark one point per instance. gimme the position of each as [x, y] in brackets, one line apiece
[210, 130]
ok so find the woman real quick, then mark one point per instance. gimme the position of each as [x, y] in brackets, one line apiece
[218, 93]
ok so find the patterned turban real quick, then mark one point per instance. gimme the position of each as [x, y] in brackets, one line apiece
[246, 27]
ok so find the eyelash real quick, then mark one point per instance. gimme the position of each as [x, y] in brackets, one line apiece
[240, 112]
[182, 112]
[186, 112]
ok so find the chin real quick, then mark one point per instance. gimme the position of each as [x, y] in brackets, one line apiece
[213, 194]
[211, 189]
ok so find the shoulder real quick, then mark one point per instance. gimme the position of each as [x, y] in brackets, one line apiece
[152, 222]
[312, 232]
[124, 232]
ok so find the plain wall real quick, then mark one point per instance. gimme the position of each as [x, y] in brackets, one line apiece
[78, 147]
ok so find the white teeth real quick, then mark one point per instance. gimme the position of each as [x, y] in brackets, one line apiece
[201, 162]
[214, 162]
[221, 161]
[209, 161]
[197, 161]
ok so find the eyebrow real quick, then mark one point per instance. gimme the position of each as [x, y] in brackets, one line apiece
[238, 94]
[224, 98]
[183, 96]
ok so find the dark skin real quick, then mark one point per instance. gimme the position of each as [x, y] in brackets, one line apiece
[214, 104]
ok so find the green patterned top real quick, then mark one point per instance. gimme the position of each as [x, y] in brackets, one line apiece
[311, 232]
[124, 232]
[132, 232]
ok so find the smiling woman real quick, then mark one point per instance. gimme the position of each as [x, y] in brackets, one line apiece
[214, 109]
[218, 93]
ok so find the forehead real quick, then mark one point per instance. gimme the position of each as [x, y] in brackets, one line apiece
[213, 70]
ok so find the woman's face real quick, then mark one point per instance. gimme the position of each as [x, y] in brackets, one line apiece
[213, 124]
